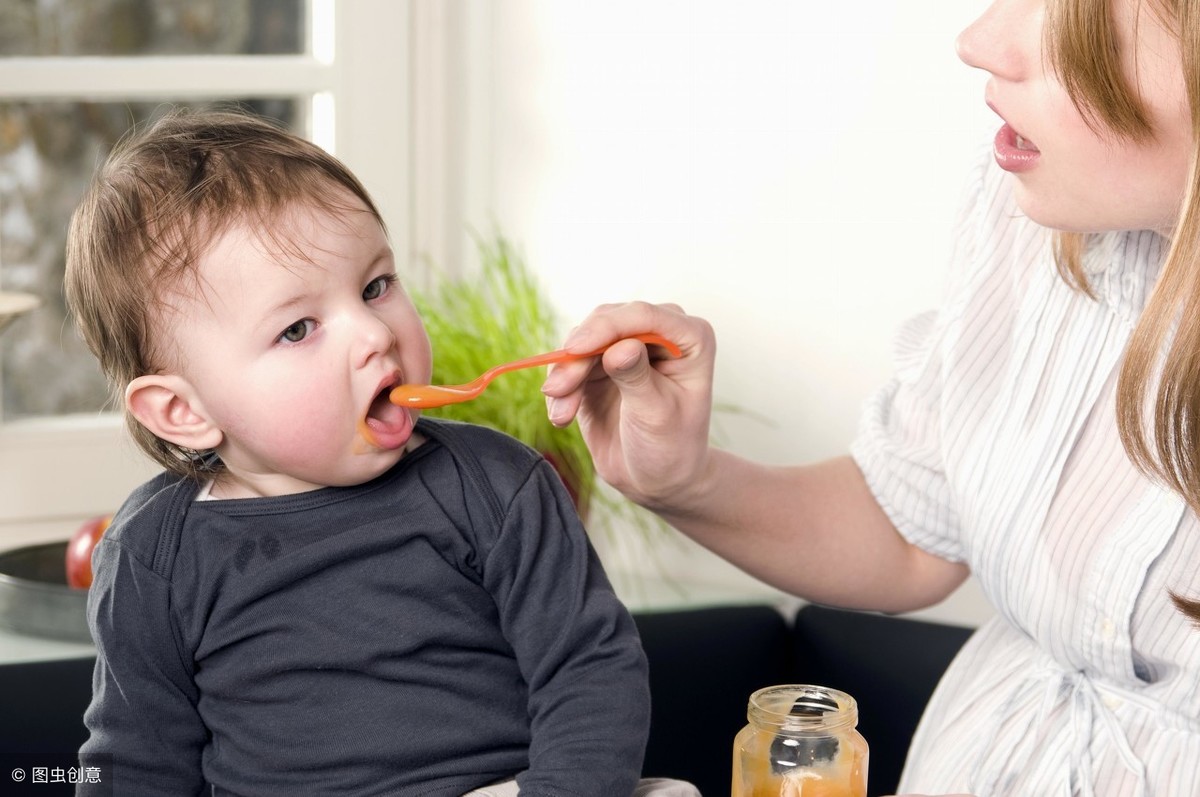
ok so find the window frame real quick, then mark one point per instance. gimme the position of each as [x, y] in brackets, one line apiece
[56, 471]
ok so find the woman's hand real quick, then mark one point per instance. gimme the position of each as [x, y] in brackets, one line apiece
[645, 419]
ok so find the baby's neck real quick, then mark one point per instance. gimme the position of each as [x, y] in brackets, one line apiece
[230, 484]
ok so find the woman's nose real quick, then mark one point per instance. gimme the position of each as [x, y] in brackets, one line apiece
[1004, 39]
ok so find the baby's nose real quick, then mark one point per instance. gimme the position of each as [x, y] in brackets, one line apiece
[373, 337]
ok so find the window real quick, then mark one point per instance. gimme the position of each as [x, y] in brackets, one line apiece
[74, 75]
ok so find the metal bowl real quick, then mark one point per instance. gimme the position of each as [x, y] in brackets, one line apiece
[35, 598]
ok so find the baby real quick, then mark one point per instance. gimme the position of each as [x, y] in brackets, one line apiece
[296, 606]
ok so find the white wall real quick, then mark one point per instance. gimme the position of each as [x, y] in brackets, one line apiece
[787, 169]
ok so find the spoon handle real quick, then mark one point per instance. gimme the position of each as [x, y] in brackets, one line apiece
[562, 355]
[428, 396]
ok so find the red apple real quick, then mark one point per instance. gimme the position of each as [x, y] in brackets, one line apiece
[79, 551]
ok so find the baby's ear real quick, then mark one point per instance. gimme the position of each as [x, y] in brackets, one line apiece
[168, 406]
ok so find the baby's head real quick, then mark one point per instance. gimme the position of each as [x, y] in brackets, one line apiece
[236, 283]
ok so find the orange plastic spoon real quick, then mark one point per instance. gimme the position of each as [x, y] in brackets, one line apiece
[427, 396]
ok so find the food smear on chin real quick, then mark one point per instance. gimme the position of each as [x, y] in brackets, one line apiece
[365, 443]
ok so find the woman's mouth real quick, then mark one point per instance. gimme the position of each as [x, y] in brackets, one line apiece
[1014, 152]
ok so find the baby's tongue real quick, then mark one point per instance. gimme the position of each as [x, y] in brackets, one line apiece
[384, 415]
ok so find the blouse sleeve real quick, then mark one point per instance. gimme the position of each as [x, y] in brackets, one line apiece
[898, 447]
[901, 437]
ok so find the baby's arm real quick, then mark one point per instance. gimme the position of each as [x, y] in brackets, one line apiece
[577, 647]
[145, 733]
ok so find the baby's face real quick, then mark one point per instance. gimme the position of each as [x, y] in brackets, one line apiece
[290, 348]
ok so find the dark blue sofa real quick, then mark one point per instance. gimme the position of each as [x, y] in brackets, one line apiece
[704, 663]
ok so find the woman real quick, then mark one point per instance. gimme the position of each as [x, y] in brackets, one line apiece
[1039, 432]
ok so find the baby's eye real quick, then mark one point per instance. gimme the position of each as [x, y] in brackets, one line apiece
[297, 331]
[378, 286]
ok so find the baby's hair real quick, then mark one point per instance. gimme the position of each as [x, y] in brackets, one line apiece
[1084, 53]
[165, 193]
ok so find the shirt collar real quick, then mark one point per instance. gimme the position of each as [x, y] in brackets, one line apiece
[1122, 268]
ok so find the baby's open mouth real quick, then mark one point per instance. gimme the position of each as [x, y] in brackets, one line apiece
[383, 415]
[386, 425]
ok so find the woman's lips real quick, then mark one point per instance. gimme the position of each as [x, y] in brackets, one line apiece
[1014, 153]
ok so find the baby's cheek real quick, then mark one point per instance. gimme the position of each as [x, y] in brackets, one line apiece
[302, 430]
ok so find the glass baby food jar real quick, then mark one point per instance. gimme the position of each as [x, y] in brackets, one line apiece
[801, 741]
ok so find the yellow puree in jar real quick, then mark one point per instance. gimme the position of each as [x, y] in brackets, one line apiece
[845, 776]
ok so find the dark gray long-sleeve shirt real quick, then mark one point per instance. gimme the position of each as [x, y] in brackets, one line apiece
[443, 626]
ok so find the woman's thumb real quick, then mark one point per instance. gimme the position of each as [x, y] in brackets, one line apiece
[627, 363]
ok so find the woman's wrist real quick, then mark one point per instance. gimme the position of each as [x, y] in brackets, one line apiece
[692, 498]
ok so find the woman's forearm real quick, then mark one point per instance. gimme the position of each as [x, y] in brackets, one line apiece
[815, 531]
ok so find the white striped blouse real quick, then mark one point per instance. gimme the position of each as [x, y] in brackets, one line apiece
[996, 445]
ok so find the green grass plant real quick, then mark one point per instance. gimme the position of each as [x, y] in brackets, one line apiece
[495, 316]
[498, 314]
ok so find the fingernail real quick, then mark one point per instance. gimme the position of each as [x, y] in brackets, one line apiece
[556, 409]
[629, 363]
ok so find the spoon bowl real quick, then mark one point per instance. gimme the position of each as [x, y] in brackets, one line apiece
[429, 396]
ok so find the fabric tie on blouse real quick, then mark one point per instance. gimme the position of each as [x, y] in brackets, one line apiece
[1089, 715]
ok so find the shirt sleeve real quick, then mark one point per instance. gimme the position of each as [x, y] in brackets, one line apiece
[900, 442]
[576, 645]
[898, 447]
[145, 734]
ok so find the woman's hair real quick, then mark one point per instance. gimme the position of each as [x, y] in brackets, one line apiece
[164, 195]
[1164, 349]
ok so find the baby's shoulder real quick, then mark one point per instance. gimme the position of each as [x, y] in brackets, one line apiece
[479, 438]
[503, 460]
[150, 515]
